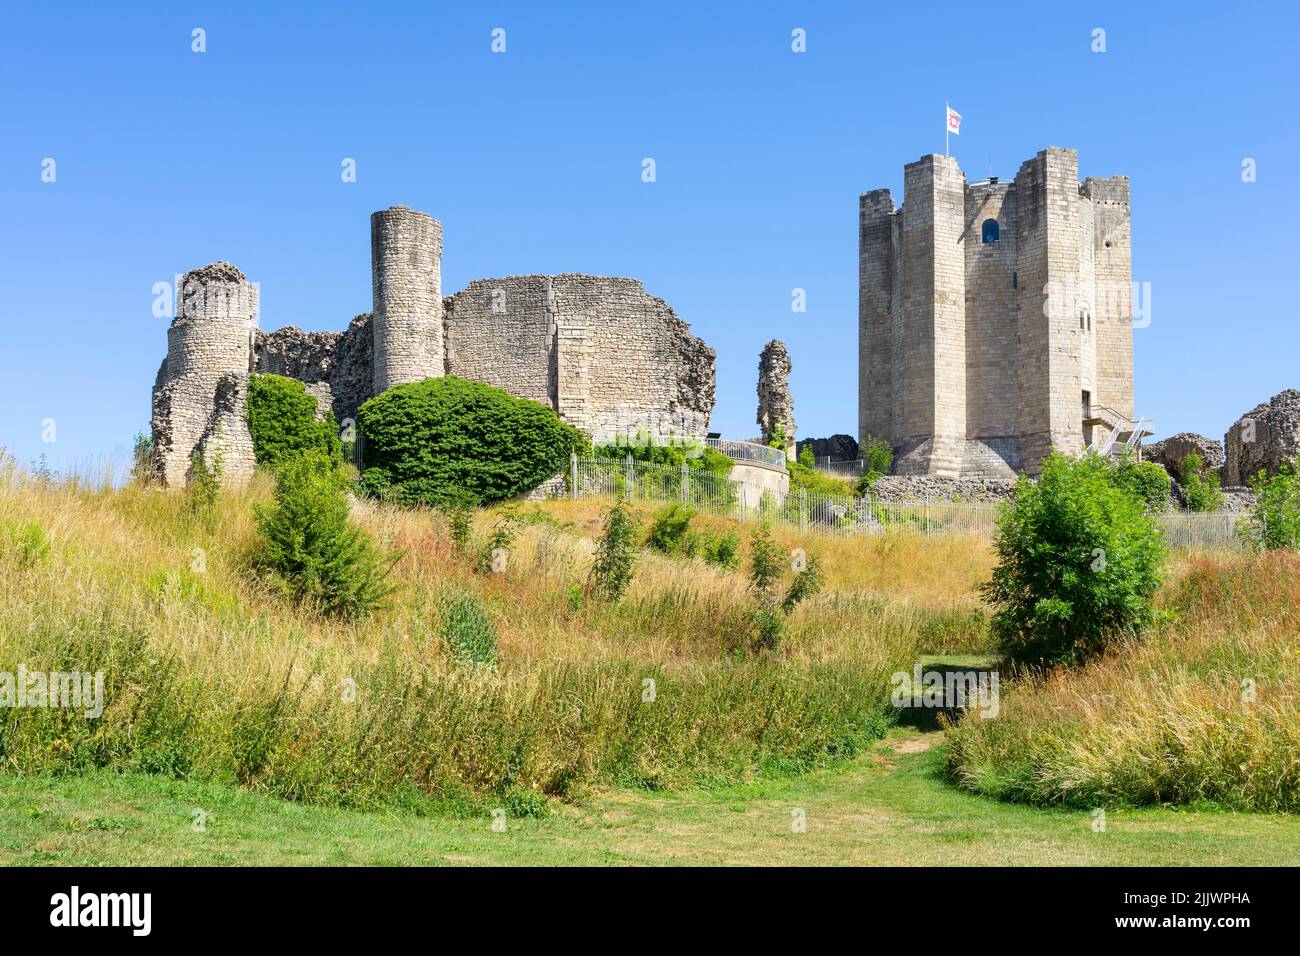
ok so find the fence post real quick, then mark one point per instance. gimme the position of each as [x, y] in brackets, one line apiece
[685, 485]
[631, 477]
[573, 475]
[803, 509]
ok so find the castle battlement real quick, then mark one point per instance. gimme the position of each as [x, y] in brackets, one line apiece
[993, 315]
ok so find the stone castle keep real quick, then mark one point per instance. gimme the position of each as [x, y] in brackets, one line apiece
[995, 318]
[606, 355]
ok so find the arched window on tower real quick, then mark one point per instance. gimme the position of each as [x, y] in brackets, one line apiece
[990, 230]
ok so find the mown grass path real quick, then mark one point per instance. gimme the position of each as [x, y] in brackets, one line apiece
[892, 806]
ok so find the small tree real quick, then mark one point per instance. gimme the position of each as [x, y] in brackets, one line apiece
[611, 573]
[877, 459]
[1275, 521]
[459, 510]
[311, 550]
[1200, 486]
[1078, 562]
[766, 570]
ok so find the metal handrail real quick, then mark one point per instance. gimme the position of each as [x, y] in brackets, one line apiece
[748, 451]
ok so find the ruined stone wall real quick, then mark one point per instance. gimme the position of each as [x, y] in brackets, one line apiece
[775, 403]
[502, 331]
[626, 361]
[336, 367]
[1263, 439]
[196, 396]
[607, 356]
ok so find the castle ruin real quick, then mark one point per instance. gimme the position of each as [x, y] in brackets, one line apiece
[607, 356]
[995, 318]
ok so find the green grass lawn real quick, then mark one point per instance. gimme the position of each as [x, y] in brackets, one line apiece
[892, 806]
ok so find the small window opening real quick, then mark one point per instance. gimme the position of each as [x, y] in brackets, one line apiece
[990, 232]
[1015, 284]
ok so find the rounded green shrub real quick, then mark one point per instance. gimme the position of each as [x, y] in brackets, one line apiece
[1146, 479]
[282, 420]
[1079, 562]
[425, 442]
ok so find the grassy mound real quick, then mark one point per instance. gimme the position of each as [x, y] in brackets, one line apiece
[212, 675]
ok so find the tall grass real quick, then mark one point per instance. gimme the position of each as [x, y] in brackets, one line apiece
[209, 673]
[1206, 709]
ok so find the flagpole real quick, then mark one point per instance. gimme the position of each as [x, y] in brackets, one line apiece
[946, 107]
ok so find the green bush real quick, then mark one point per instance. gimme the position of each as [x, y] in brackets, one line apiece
[468, 632]
[144, 459]
[721, 548]
[23, 542]
[611, 572]
[1275, 521]
[697, 458]
[806, 457]
[1200, 487]
[669, 532]
[1149, 481]
[803, 478]
[1078, 563]
[311, 550]
[425, 441]
[282, 420]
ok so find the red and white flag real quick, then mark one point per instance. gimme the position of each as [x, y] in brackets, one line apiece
[954, 121]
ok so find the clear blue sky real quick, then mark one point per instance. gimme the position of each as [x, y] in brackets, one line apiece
[168, 159]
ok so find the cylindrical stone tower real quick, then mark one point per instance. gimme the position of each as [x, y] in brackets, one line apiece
[208, 350]
[216, 311]
[406, 270]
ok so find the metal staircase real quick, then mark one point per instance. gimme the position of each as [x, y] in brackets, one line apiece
[1121, 434]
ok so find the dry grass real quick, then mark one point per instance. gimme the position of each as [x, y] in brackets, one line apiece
[212, 676]
[1203, 709]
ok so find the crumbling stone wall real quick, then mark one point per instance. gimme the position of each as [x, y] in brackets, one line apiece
[775, 403]
[335, 366]
[1264, 438]
[610, 358]
[197, 398]
[1171, 451]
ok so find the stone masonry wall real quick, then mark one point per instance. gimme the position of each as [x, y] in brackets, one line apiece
[978, 358]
